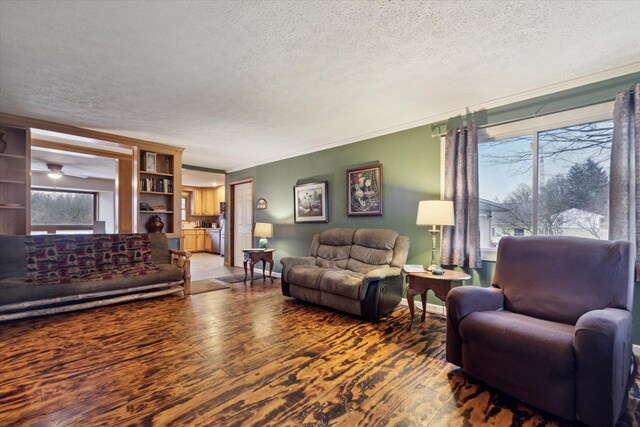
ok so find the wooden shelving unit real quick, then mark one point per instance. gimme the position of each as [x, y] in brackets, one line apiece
[15, 180]
[157, 188]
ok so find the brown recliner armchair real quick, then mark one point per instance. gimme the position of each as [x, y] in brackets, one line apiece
[554, 329]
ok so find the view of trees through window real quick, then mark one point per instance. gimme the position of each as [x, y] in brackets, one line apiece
[572, 195]
[62, 208]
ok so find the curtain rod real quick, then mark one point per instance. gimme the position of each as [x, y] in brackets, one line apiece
[535, 115]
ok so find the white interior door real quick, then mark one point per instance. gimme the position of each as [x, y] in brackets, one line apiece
[242, 220]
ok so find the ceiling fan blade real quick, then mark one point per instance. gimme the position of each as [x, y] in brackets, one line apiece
[76, 175]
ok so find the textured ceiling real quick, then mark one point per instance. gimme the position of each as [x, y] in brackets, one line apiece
[245, 82]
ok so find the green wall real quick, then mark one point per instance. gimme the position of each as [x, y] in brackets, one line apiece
[411, 172]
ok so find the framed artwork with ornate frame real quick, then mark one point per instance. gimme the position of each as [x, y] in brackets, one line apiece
[364, 191]
[310, 202]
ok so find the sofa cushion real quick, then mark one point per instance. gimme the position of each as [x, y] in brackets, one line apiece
[57, 258]
[112, 250]
[54, 259]
[307, 276]
[116, 272]
[333, 256]
[559, 278]
[528, 358]
[365, 259]
[342, 282]
[19, 289]
[337, 236]
[376, 238]
[527, 340]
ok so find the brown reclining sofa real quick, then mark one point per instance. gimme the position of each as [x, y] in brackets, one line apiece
[358, 271]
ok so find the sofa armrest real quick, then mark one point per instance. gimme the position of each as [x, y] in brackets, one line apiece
[292, 261]
[382, 273]
[182, 260]
[603, 351]
[461, 302]
[377, 275]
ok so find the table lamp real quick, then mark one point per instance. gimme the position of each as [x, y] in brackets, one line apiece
[263, 230]
[434, 213]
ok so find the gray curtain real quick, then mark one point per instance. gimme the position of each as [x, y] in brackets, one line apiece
[461, 243]
[624, 190]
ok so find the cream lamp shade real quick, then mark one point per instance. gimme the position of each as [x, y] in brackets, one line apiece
[264, 229]
[435, 212]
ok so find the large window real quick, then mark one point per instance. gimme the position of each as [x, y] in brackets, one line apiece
[550, 179]
[62, 211]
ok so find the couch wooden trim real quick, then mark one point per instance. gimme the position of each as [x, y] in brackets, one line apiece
[171, 288]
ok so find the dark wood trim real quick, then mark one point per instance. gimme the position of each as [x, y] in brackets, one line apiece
[231, 214]
[241, 181]
[119, 140]
[76, 149]
[126, 175]
[203, 169]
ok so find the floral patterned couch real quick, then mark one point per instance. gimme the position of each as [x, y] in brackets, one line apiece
[47, 274]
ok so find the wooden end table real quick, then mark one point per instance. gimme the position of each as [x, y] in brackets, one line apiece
[253, 256]
[420, 283]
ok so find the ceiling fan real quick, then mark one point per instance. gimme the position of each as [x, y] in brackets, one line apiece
[53, 170]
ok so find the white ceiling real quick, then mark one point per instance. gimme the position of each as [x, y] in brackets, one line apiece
[73, 164]
[201, 179]
[243, 83]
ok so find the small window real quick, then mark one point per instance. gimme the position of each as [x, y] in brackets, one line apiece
[56, 211]
[184, 203]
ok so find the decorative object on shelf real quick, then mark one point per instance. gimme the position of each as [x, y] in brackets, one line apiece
[263, 230]
[310, 202]
[364, 191]
[149, 162]
[434, 213]
[144, 206]
[155, 224]
[261, 204]
[3, 143]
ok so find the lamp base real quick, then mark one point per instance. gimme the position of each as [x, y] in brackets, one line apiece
[436, 270]
[263, 243]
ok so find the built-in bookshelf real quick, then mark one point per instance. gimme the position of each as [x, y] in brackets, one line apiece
[15, 182]
[156, 190]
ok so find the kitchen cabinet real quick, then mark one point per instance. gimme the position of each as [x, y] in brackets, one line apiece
[207, 243]
[199, 240]
[209, 197]
[189, 237]
[205, 201]
[197, 202]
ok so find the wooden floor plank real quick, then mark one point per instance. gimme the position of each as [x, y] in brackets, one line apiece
[244, 356]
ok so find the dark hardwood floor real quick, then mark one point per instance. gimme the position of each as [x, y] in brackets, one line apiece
[242, 356]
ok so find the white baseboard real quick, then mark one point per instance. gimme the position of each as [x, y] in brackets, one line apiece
[636, 350]
[276, 275]
[431, 308]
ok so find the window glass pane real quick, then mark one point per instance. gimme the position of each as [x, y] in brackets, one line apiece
[61, 208]
[574, 180]
[505, 177]
[183, 208]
